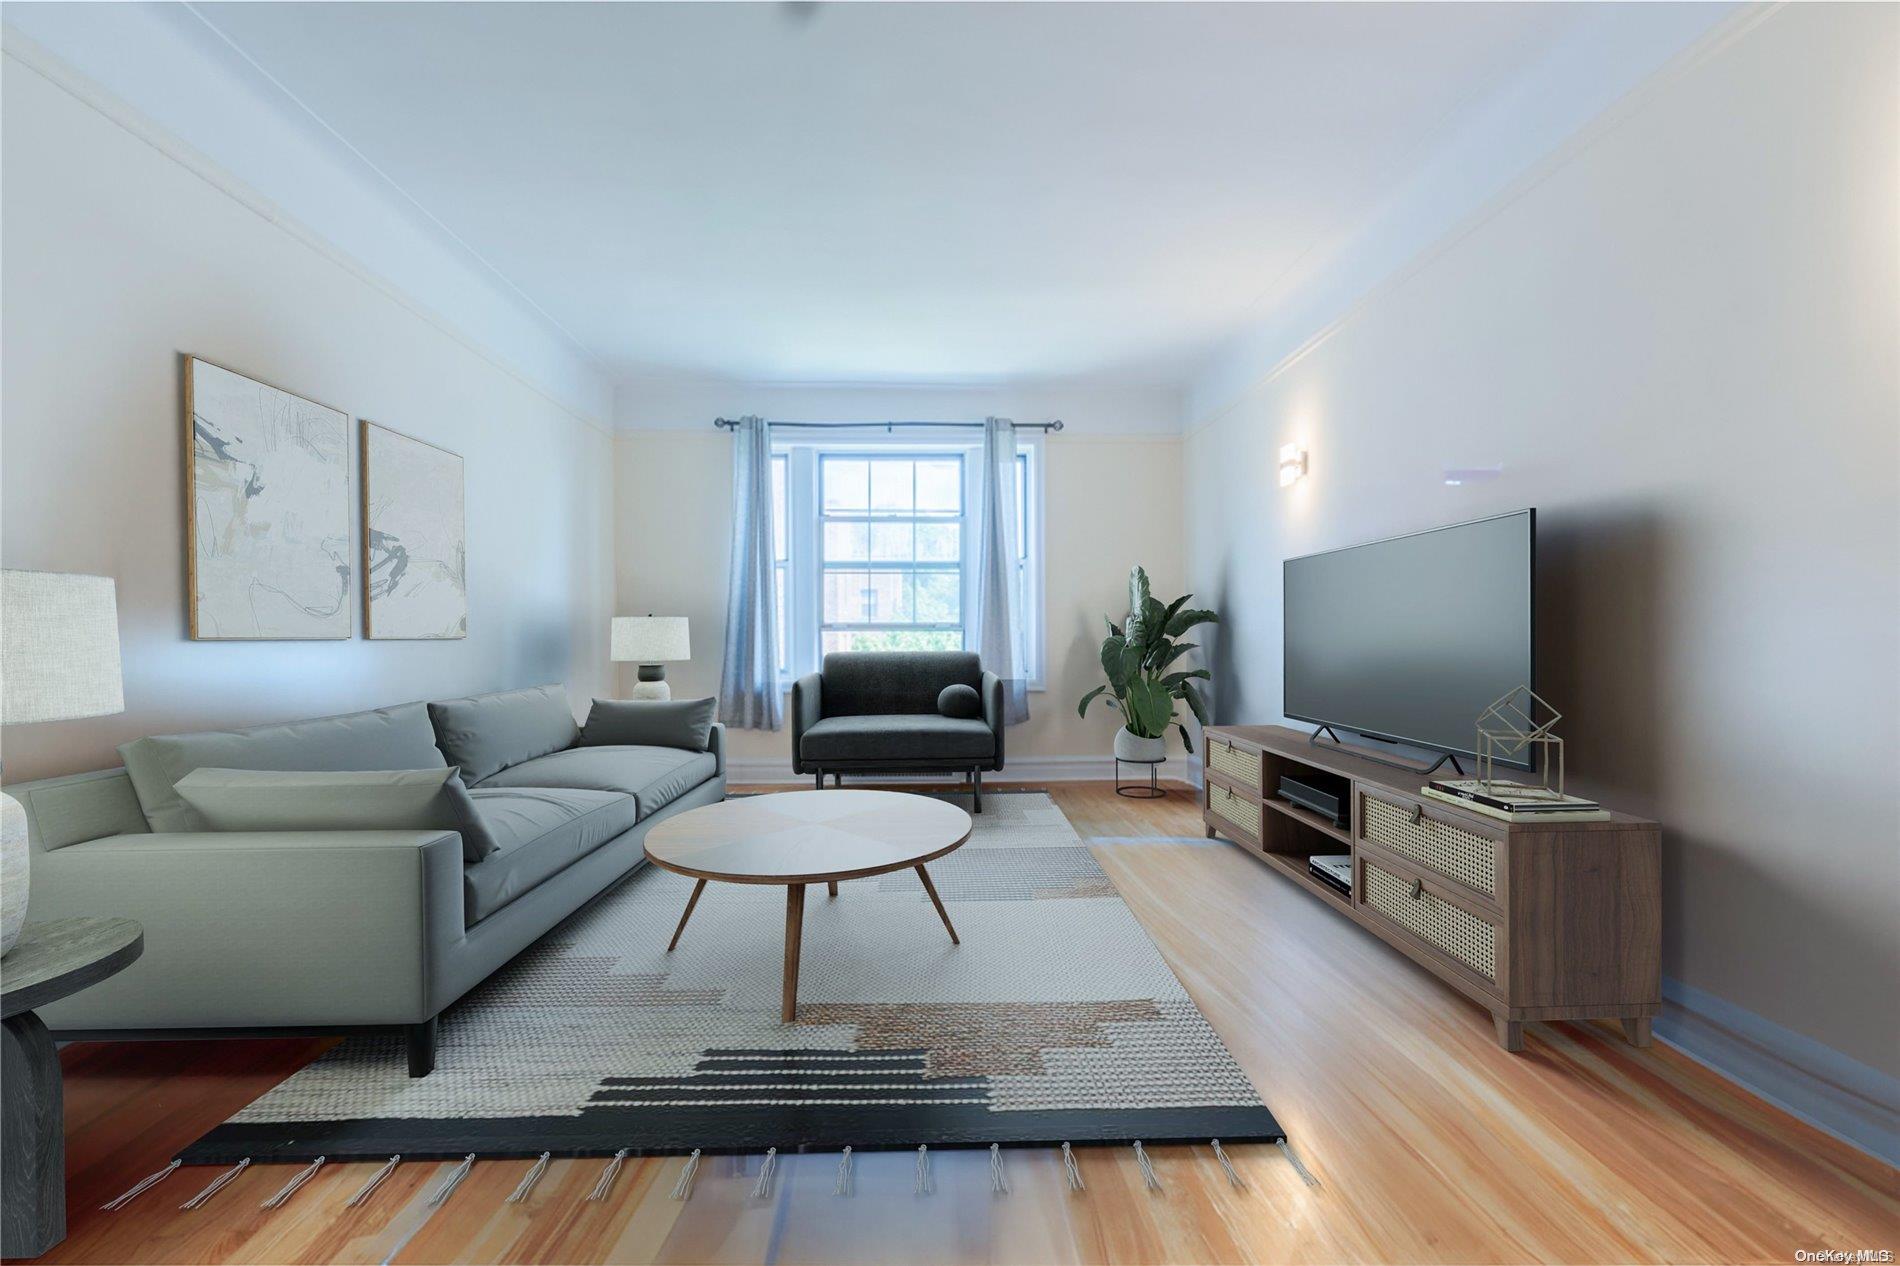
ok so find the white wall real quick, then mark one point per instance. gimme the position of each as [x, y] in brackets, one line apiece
[119, 260]
[1680, 341]
[1112, 500]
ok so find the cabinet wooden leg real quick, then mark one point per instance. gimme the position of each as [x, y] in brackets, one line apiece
[794, 934]
[1636, 1029]
[1510, 1033]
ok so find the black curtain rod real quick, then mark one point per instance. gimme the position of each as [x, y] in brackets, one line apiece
[729, 424]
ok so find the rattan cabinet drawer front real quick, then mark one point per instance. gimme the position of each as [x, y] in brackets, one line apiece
[1236, 763]
[1237, 810]
[1466, 856]
[1456, 931]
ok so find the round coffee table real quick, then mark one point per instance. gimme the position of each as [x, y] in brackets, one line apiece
[796, 838]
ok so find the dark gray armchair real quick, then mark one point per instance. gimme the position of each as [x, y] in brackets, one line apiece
[875, 712]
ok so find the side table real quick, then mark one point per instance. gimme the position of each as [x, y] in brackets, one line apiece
[48, 962]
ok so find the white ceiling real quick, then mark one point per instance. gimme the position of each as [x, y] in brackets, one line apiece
[898, 192]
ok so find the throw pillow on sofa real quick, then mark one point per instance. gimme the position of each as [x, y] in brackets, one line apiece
[960, 703]
[682, 723]
[345, 800]
[485, 734]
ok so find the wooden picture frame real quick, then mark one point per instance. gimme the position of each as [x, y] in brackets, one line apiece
[415, 538]
[267, 511]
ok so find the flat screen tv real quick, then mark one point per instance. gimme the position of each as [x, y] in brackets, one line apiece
[1406, 640]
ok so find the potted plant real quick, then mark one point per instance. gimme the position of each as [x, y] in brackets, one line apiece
[1137, 659]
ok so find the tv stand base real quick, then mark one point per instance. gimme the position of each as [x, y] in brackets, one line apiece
[1340, 743]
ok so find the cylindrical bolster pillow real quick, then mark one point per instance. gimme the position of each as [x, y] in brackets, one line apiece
[682, 723]
[960, 703]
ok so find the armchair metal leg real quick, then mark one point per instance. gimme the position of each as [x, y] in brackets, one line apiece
[819, 783]
[976, 788]
[837, 780]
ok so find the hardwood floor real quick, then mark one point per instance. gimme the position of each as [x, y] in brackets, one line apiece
[1431, 1144]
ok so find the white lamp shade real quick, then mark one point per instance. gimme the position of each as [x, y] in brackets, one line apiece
[59, 647]
[649, 639]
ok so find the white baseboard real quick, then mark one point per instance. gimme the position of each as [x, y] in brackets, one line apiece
[1096, 768]
[1830, 1091]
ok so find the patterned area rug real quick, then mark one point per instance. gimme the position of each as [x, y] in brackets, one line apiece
[1055, 1021]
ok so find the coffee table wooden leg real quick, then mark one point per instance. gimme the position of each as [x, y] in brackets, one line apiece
[794, 933]
[938, 902]
[699, 886]
[831, 887]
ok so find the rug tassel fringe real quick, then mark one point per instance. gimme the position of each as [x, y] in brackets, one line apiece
[999, 1185]
[1306, 1175]
[607, 1176]
[144, 1184]
[764, 1187]
[683, 1189]
[924, 1183]
[1147, 1167]
[843, 1186]
[1233, 1175]
[453, 1181]
[1070, 1168]
[528, 1181]
[289, 1189]
[217, 1184]
[364, 1192]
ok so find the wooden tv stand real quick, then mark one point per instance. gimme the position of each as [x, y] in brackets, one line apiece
[1538, 921]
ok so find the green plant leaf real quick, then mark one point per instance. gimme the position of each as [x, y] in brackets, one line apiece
[1082, 708]
[1114, 630]
[1173, 680]
[1196, 705]
[1185, 740]
[1181, 621]
[1112, 649]
[1176, 651]
[1138, 601]
[1150, 708]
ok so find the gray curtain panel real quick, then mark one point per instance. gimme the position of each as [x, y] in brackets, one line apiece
[1000, 600]
[748, 683]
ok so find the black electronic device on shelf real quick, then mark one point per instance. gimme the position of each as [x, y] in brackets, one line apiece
[1328, 795]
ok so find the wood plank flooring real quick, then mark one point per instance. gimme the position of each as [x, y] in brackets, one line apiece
[1431, 1143]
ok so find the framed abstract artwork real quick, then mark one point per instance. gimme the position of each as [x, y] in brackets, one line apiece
[415, 539]
[267, 503]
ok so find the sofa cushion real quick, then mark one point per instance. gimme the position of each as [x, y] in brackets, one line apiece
[350, 800]
[382, 738]
[877, 683]
[682, 723]
[895, 738]
[485, 734]
[655, 776]
[539, 833]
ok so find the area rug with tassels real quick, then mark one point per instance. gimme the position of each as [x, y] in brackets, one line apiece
[1055, 1021]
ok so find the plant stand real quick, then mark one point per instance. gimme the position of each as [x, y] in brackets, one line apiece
[1153, 790]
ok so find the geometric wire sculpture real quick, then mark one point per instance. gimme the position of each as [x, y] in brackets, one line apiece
[1510, 727]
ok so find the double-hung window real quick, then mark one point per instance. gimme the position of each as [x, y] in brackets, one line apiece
[876, 547]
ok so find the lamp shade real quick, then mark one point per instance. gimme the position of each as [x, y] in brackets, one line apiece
[649, 639]
[59, 647]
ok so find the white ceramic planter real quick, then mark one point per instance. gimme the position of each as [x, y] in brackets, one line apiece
[1130, 746]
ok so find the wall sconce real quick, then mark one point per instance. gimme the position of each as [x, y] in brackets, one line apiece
[1292, 464]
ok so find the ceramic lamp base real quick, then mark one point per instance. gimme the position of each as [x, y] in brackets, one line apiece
[652, 683]
[15, 858]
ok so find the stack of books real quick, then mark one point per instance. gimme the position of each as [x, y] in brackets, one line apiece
[1515, 802]
[1334, 870]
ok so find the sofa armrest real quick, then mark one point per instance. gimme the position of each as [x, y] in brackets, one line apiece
[716, 744]
[993, 712]
[255, 929]
[808, 707]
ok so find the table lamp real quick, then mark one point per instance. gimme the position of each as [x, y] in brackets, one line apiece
[59, 661]
[650, 641]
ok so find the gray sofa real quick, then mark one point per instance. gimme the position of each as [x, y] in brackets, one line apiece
[338, 930]
[875, 712]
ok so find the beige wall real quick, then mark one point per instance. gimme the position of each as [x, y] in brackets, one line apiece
[1680, 342]
[1111, 502]
[118, 260]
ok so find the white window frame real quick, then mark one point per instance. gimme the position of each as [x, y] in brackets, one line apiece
[804, 523]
